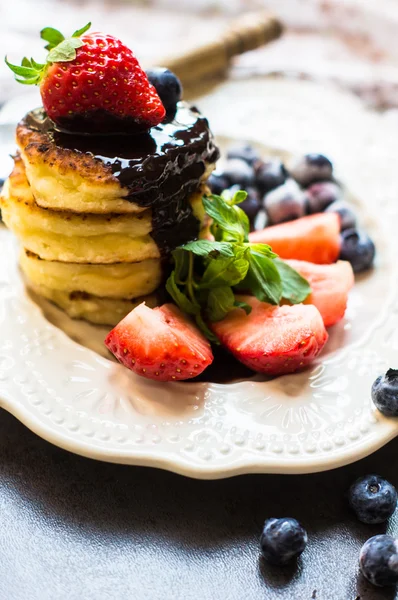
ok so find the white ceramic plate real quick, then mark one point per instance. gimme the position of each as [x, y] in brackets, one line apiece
[312, 421]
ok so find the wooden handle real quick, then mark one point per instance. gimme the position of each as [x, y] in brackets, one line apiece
[251, 31]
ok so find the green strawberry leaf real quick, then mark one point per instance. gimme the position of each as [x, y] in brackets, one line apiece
[26, 62]
[208, 248]
[52, 36]
[220, 302]
[65, 51]
[294, 287]
[80, 32]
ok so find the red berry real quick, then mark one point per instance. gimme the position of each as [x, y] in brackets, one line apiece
[330, 285]
[92, 83]
[273, 339]
[160, 344]
[105, 77]
[315, 238]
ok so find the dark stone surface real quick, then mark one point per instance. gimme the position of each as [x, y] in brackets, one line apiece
[72, 528]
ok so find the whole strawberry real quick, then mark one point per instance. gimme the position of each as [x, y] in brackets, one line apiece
[92, 83]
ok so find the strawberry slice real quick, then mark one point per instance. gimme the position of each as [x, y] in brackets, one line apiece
[330, 285]
[315, 238]
[273, 339]
[160, 344]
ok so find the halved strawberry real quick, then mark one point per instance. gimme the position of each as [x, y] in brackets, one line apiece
[160, 344]
[273, 339]
[330, 285]
[315, 238]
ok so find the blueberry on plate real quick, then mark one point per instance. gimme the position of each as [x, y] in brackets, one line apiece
[347, 216]
[167, 85]
[311, 168]
[378, 560]
[217, 183]
[373, 499]
[320, 195]
[385, 393]
[244, 151]
[357, 248]
[282, 540]
[285, 203]
[237, 172]
[270, 174]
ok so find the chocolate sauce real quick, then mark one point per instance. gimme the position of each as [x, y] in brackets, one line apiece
[161, 169]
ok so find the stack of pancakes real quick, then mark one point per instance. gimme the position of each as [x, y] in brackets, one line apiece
[99, 216]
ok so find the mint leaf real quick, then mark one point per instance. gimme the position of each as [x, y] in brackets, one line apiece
[264, 250]
[263, 279]
[246, 307]
[52, 36]
[225, 271]
[181, 262]
[80, 32]
[230, 223]
[206, 331]
[239, 197]
[179, 298]
[294, 287]
[208, 248]
[220, 302]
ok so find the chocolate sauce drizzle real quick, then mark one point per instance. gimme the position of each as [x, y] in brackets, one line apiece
[161, 168]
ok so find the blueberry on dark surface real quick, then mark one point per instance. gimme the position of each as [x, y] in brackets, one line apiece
[270, 174]
[311, 168]
[357, 248]
[282, 540]
[237, 172]
[245, 152]
[348, 219]
[320, 195]
[217, 183]
[373, 499]
[285, 203]
[385, 393]
[167, 85]
[378, 560]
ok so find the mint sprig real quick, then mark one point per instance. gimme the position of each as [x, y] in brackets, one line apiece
[207, 273]
[60, 49]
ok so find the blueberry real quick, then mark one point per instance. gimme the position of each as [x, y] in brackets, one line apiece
[245, 152]
[270, 174]
[285, 203]
[358, 249]
[282, 540]
[347, 216]
[373, 499]
[167, 85]
[378, 560]
[320, 195]
[385, 393]
[217, 183]
[238, 172]
[311, 168]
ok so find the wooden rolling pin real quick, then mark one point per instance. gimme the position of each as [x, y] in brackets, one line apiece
[251, 31]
